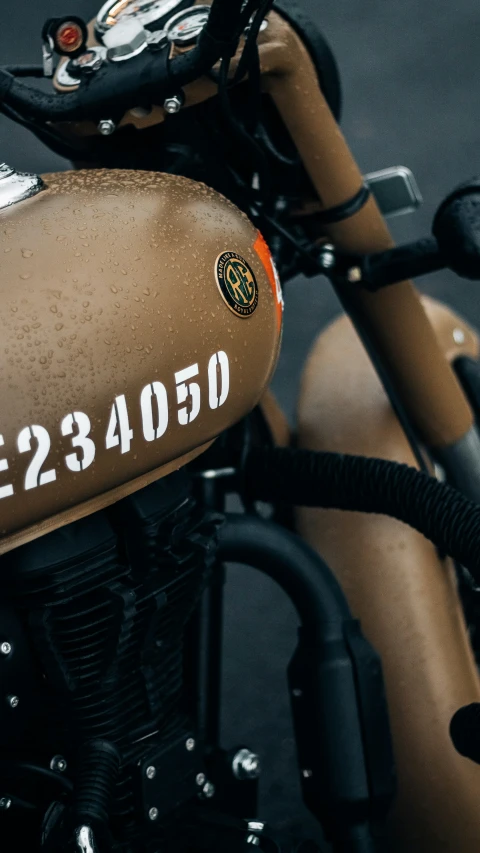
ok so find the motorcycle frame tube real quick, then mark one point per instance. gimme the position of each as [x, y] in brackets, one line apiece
[394, 317]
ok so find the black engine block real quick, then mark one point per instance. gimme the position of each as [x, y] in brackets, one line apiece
[102, 653]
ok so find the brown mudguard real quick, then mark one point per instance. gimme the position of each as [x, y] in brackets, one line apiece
[404, 595]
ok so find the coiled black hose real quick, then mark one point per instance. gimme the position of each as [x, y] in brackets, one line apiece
[361, 484]
[95, 784]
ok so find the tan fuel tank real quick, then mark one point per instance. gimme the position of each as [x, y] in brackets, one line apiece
[140, 316]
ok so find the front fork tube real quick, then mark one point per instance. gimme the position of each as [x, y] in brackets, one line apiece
[460, 460]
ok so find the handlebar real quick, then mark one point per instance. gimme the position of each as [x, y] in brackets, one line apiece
[454, 244]
[148, 78]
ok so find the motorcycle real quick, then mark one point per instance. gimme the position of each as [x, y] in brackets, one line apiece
[141, 321]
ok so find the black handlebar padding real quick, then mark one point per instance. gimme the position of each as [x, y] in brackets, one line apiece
[456, 228]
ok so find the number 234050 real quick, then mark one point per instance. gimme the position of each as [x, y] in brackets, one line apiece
[154, 411]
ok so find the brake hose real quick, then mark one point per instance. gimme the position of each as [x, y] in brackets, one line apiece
[360, 484]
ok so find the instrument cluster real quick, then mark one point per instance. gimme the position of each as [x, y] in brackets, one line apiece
[124, 28]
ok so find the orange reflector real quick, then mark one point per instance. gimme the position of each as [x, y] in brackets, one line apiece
[265, 255]
[69, 37]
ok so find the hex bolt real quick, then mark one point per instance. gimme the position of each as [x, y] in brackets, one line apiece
[106, 127]
[5, 648]
[208, 790]
[255, 826]
[58, 763]
[253, 839]
[13, 701]
[307, 774]
[153, 813]
[190, 744]
[200, 779]
[173, 104]
[5, 803]
[246, 765]
[327, 257]
[151, 772]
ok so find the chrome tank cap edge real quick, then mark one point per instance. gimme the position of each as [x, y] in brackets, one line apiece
[17, 186]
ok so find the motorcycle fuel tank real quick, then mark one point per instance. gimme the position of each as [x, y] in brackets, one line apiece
[140, 316]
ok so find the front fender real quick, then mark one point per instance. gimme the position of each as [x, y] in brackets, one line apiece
[404, 595]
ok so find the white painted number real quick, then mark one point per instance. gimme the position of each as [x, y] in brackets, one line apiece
[82, 422]
[119, 418]
[155, 418]
[218, 364]
[185, 390]
[5, 491]
[157, 390]
[33, 477]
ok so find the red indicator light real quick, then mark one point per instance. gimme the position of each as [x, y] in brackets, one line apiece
[69, 37]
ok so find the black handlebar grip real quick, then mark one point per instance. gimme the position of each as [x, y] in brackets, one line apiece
[456, 228]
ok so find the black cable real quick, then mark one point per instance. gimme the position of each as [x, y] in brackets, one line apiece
[57, 143]
[257, 155]
[360, 484]
[251, 40]
[44, 776]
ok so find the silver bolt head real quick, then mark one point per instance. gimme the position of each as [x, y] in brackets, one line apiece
[253, 839]
[246, 765]
[190, 744]
[459, 336]
[5, 648]
[58, 763]
[106, 127]
[151, 772]
[200, 779]
[208, 790]
[5, 803]
[255, 826]
[153, 813]
[173, 105]
[307, 774]
[13, 701]
[327, 260]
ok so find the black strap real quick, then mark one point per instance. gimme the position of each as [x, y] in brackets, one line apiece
[346, 209]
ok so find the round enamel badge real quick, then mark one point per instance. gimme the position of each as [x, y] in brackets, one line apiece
[237, 283]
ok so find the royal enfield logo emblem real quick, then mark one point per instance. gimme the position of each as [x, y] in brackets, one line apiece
[236, 283]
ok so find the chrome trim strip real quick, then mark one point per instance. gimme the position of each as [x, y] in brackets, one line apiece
[84, 840]
[17, 186]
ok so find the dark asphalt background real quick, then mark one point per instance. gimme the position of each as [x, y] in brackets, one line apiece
[411, 79]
